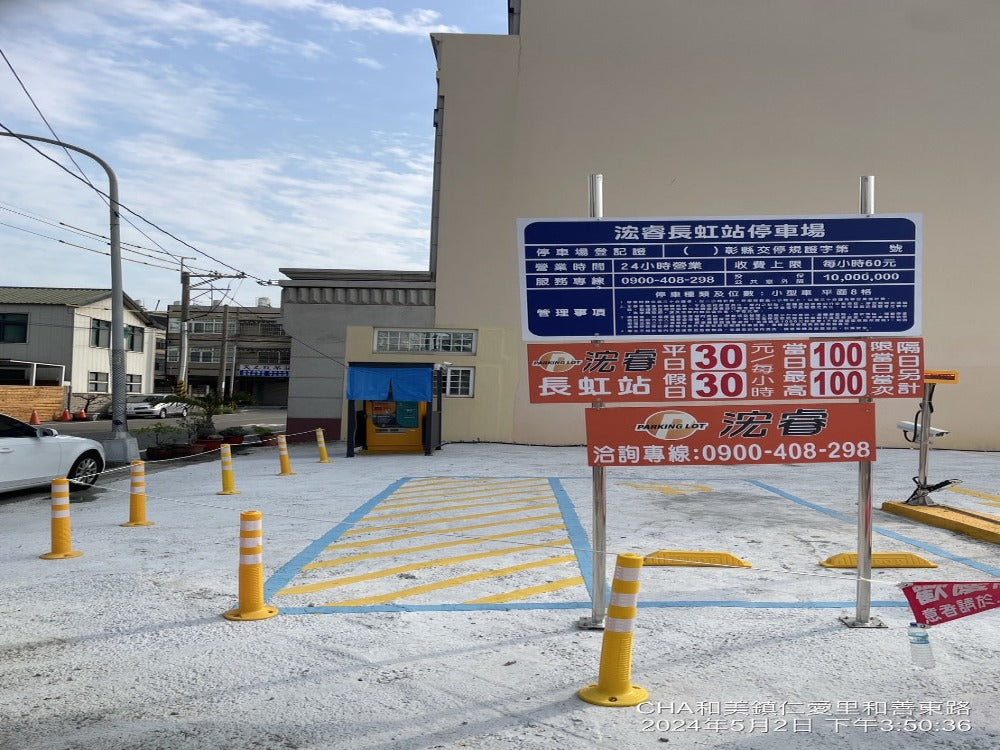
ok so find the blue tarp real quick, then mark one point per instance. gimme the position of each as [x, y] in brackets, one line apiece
[373, 383]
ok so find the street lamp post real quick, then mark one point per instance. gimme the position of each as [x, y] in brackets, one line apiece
[121, 448]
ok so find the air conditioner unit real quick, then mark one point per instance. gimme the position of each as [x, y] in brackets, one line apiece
[263, 302]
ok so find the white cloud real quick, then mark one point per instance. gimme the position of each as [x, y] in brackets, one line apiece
[369, 63]
[418, 22]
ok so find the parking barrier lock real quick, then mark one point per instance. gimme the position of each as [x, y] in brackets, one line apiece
[62, 530]
[286, 462]
[137, 496]
[251, 584]
[324, 457]
[614, 682]
[228, 475]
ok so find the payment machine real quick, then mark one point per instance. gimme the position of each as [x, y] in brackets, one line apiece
[393, 408]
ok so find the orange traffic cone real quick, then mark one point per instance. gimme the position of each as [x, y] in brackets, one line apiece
[34, 417]
[82, 414]
[66, 416]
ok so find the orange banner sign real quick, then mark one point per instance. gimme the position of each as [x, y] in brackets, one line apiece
[744, 434]
[750, 370]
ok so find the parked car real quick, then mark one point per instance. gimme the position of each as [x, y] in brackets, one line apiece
[31, 456]
[157, 405]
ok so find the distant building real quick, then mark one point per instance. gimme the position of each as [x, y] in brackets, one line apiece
[63, 336]
[243, 350]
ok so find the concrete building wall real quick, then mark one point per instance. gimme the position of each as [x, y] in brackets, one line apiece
[318, 307]
[50, 336]
[710, 107]
[87, 358]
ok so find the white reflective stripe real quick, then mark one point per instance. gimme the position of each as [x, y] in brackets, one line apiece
[254, 541]
[627, 574]
[251, 525]
[60, 513]
[617, 625]
[624, 600]
[251, 559]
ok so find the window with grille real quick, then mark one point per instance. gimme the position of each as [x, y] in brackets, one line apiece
[459, 382]
[100, 333]
[173, 354]
[133, 383]
[451, 342]
[97, 382]
[14, 328]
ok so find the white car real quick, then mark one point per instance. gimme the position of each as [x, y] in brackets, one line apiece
[157, 405]
[31, 456]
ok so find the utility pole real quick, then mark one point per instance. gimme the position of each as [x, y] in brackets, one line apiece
[221, 386]
[182, 370]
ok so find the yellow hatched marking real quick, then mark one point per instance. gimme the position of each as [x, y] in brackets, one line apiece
[670, 489]
[440, 562]
[990, 499]
[524, 501]
[450, 529]
[452, 582]
[515, 497]
[524, 593]
[469, 517]
[406, 493]
[333, 562]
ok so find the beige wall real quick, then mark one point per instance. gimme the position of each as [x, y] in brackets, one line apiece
[716, 107]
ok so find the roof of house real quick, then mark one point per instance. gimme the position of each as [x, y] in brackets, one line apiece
[44, 295]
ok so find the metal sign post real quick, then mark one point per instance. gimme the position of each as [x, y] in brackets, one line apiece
[599, 487]
[862, 616]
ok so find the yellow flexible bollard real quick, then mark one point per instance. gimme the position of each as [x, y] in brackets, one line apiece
[62, 530]
[324, 458]
[286, 462]
[137, 496]
[228, 475]
[614, 681]
[251, 606]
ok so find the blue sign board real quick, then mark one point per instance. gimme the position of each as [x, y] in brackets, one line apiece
[710, 276]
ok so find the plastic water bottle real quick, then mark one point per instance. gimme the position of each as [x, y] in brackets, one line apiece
[920, 645]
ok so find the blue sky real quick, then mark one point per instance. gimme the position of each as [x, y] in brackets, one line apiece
[264, 133]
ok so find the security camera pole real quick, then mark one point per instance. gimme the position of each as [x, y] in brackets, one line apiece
[121, 448]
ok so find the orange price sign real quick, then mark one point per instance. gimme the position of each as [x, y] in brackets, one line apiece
[744, 434]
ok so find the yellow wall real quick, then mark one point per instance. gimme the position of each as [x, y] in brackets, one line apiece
[701, 108]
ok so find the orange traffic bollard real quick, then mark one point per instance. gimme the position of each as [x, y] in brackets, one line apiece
[286, 462]
[137, 496]
[62, 530]
[324, 457]
[251, 606]
[228, 476]
[614, 682]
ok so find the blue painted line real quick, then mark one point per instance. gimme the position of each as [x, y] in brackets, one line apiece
[329, 610]
[577, 535]
[929, 548]
[769, 605]
[293, 567]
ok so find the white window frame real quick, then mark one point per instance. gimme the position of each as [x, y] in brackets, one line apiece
[424, 341]
[453, 382]
[95, 381]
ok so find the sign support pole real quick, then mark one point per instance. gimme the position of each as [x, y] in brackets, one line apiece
[599, 480]
[862, 617]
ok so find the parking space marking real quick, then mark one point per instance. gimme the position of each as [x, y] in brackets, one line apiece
[990, 499]
[527, 521]
[457, 581]
[427, 547]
